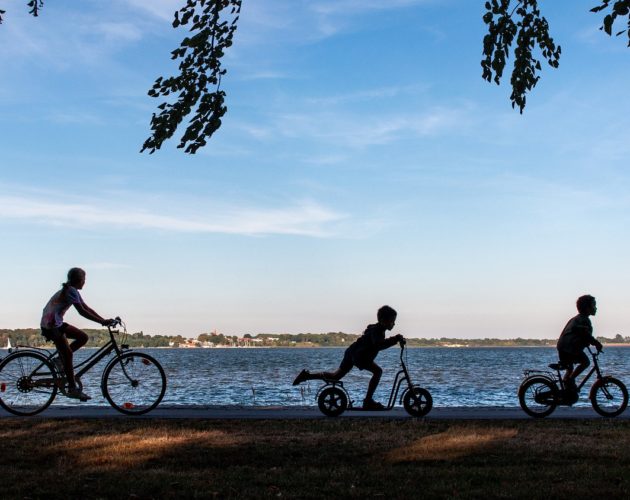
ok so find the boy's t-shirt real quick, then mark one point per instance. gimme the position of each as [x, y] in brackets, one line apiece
[365, 349]
[577, 334]
[52, 316]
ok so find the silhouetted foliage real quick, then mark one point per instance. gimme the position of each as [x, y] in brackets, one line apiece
[199, 82]
[618, 9]
[531, 30]
[213, 22]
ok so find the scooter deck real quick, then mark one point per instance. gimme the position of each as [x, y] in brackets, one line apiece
[360, 408]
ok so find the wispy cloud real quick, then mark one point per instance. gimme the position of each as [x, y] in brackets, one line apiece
[107, 265]
[303, 219]
[305, 21]
[366, 95]
[74, 117]
[113, 31]
[266, 75]
[357, 6]
[359, 130]
[162, 9]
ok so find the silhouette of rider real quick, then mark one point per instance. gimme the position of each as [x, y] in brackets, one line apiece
[362, 354]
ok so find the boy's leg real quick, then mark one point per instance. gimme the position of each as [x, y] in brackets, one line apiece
[338, 374]
[583, 363]
[376, 371]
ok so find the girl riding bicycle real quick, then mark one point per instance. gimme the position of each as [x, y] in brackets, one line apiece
[56, 330]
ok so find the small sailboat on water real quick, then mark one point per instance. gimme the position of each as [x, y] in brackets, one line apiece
[9, 346]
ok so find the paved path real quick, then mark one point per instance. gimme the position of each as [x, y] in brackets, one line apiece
[299, 412]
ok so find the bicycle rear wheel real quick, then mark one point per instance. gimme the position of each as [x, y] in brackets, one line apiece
[134, 383]
[27, 383]
[538, 397]
[609, 397]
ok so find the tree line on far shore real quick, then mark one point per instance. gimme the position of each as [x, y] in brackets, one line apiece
[32, 337]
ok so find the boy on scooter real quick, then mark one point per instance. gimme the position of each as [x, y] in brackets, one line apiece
[362, 354]
[576, 336]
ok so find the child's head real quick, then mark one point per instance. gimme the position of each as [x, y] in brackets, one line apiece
[387, 316]
[76, 277]
[586, 305]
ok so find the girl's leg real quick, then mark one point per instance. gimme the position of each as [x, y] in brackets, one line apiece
[79, 337]
[65, 353]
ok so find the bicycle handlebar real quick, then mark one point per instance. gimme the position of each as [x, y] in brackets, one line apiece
[116, 322]
[597, 351]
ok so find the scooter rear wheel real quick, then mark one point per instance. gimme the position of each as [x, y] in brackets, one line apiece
[417, 401]
[332, 401]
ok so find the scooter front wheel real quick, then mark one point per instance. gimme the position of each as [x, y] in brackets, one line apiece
[332, 401]
[417, 401]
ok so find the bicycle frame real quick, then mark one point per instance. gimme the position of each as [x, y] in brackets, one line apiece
[104, 351]
[92, 360]
[594, 369]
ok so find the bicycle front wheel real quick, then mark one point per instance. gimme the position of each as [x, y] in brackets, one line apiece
[27, 383]
[134, 383]
[609, 397]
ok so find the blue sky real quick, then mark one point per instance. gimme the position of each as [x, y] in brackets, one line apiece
[362, 161]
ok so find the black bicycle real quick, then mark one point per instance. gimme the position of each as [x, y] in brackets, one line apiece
[333, 399]
[542, 391]
[132, 382]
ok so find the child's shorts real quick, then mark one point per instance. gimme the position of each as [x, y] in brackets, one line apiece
[571, 358]
[52, 334]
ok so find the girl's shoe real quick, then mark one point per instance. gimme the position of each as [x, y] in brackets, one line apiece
[76, 393]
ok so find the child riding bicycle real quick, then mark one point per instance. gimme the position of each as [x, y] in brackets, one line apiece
[56, 330]
[576, 336]
[362, 354]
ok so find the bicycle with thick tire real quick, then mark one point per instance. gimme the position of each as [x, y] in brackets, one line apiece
[132, 382]
[542, 391]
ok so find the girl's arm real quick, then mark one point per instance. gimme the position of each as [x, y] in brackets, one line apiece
[87, 312]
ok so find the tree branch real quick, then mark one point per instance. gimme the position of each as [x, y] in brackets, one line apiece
[531, 31]
[198, 84]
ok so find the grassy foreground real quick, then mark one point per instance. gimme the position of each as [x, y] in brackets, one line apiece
[314, 458]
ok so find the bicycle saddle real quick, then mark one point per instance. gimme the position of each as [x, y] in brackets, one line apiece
[558, 366]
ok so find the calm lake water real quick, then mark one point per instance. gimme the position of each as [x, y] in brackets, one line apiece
[250, 377]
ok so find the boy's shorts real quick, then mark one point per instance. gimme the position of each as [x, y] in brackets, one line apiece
[53, 334]
[571, 358]
[350, 359]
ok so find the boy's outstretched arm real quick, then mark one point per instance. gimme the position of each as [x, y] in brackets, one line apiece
[391, 341]
[598, 345]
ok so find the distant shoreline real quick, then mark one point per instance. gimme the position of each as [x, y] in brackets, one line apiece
[342, 347]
